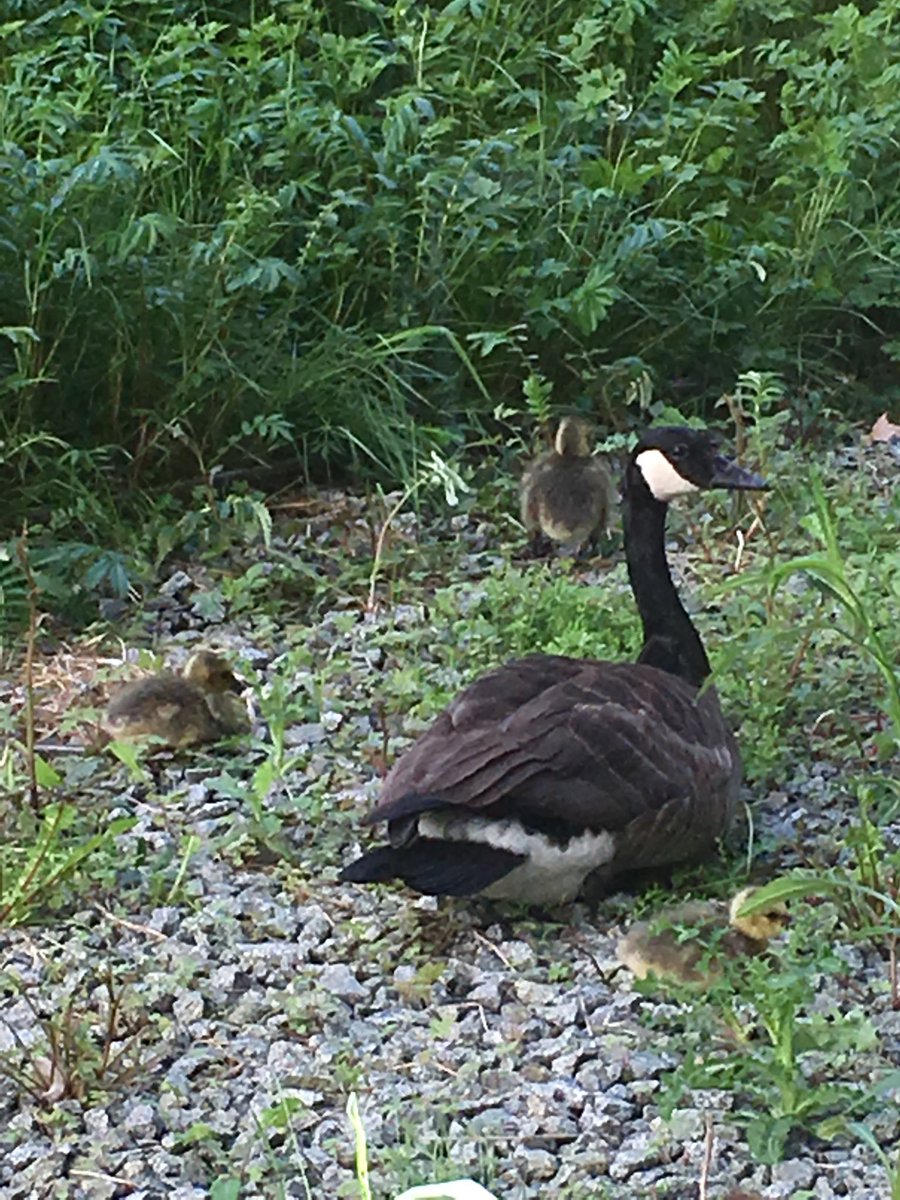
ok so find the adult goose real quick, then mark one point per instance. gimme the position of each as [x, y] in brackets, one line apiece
[548, 769]
[565, 494]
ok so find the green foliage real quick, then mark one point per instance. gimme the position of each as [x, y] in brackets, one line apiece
[865, 890]
[789, 1057]
[89, 1046]
[539, 609]
[891, 1165]
[283, 229]
[44, 857]
[816, 615]
[849, 593]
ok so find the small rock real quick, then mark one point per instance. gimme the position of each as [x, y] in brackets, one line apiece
[536, 1164]
[646, 1064]
[798, 1172]
[487, 994]
[535, 994]
[164, 920]
[518, 954]
[339, 980]
[686, 1125]
[288, 1063]
[188, 1008]
[638, 1152]
[308, 734]
[180, 581]
[140, 1120]
[96, 1122]
[102, 1187]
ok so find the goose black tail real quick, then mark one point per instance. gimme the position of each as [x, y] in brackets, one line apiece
[435, 868]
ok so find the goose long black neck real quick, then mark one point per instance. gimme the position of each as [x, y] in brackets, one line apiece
[671, 642]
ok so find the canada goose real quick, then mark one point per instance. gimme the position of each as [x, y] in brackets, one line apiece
[549, 769]
[199, 705]
[565, 494]
[688, 943]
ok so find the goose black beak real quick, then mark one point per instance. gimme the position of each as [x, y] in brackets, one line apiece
[728, 474]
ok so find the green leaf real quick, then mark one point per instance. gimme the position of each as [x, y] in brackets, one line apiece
[45, 775]
[226, 1187]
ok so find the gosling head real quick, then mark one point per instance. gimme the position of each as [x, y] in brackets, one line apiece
[761, 925]
[210, 672]
[674, 460]
[573, 438]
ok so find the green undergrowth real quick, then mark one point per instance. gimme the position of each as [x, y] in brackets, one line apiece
[775, 1035]
[342, 234]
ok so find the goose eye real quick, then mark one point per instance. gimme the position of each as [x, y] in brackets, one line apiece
[678, 451]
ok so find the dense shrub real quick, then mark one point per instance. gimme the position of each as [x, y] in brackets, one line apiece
[363, 215]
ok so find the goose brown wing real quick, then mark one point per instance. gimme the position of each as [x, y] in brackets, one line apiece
[566, 743]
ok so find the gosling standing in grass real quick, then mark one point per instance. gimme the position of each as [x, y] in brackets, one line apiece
[565, 494]
[689, 943]
[199, 705]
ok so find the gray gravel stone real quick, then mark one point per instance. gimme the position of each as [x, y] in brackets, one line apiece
[639, 1151]
[339, 980]
[309, 734]
[686, 1125]
[798, 1172]
[178, 581]
[188, 1008]
[139, 1119]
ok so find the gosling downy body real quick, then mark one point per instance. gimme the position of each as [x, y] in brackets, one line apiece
[565, 494]
[199, 705]
[550, 769]
[690, 942]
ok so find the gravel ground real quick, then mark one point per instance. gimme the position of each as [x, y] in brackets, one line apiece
[257, 993]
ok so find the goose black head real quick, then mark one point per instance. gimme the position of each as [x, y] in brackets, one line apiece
[674, 460]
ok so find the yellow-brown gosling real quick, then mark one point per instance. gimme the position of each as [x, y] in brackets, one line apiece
[689, 943]
[199, 705]
[565, 494]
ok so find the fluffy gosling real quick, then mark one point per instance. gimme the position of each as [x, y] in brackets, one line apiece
[690, 943]
[199, 705]
[565, 494]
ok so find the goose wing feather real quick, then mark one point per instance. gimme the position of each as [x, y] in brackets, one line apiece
[580, 744]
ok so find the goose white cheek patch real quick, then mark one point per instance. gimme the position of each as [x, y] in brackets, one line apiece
[661, 477]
